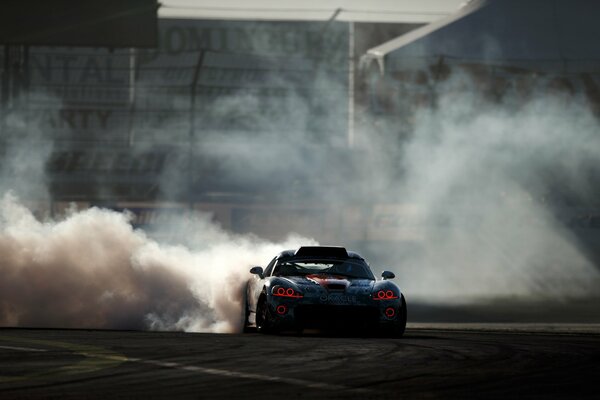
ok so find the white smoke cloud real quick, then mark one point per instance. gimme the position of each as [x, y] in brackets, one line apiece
[93, 270]
[483, 177]
[25, 151]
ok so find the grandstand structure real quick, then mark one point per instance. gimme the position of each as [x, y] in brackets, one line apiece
[118, 118]
[235, 117]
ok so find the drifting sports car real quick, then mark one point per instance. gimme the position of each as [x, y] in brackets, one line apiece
[324, 288]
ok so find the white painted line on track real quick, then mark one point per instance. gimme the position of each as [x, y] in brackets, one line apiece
[21, 348]
[211, 371]
[245, 375]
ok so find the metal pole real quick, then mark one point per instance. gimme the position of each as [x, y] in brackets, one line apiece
[324, 28]
[317, 62]
[5, 88]
[24, 85]
[351, 72]
[132, 94]
[192, 132]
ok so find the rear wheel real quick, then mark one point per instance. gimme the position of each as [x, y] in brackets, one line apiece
[245, 315]
[264, 321]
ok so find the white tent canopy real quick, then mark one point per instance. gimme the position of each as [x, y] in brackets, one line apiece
[395, 11]
[540, 34]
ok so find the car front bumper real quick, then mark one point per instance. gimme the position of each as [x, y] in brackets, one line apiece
[333, 312]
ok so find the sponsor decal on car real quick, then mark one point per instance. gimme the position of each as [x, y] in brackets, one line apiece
[339, 299]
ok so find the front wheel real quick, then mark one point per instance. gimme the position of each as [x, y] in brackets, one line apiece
[264, 321]
[400, 326]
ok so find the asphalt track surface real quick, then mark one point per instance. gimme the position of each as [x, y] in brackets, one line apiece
[431, 361]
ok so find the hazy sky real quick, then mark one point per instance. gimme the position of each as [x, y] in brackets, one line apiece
[357, 10]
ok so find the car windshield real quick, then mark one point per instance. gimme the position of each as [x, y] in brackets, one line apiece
[348, 268]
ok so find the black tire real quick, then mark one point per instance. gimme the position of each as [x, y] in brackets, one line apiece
[396, 329]
[264, 320]
[245, 314]
[400, 326]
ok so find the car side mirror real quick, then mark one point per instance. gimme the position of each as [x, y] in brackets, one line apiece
[387, 275]
[257, 271]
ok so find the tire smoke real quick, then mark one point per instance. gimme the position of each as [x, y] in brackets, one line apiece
[93, 270]
[495, 188]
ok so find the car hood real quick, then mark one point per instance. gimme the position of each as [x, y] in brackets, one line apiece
[330, 282]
